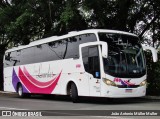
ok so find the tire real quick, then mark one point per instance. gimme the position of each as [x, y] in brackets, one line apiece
[74, 93]
[20, 92]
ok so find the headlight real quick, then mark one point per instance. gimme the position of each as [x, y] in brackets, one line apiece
[109, 82]
[143, 83]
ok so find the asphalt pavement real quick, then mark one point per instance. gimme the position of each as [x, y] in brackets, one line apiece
[63, 108]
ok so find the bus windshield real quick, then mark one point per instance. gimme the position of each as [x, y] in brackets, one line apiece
[125, 56]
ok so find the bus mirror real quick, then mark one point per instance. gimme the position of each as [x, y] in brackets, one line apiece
[154, 52]
[104, 49]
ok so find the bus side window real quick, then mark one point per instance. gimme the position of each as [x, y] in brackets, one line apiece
[85, 58]
[7, 56]
[7, 59]
[91, 62]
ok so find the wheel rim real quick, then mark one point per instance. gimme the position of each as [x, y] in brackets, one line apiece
[20, 90]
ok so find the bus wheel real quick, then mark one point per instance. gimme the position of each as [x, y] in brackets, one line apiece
[74, 93]
[21, 93]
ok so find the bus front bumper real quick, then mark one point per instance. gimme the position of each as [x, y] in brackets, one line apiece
[115, 92]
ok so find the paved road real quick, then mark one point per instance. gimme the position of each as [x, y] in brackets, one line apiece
[52, 104]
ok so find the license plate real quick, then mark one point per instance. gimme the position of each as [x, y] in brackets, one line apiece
[128, 90]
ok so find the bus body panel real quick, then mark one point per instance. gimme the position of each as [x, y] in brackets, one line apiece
[47, 71]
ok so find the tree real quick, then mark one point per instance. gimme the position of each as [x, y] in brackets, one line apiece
[4, 15]
[70, 18]
[17, 27]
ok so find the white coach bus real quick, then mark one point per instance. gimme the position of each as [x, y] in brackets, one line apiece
[96, 63]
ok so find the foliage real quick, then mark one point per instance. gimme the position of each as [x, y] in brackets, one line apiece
[153, 79]
[71, 19]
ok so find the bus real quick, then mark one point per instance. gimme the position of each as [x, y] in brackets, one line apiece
[92, 63]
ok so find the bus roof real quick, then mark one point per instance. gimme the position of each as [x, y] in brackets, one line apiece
[70, 34]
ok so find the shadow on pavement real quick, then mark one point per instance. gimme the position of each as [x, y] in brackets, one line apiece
[93, 100]
[88, 100]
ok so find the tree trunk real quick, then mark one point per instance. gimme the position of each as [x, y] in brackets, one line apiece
[2, 50]
[148, 25]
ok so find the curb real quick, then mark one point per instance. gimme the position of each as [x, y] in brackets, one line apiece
[7, 93]
[152, 97]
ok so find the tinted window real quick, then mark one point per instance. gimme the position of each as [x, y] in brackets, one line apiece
[27, 56]
[18, 57]
[74, 42]
[125, 56]
[85, 58]
[93, 59]
[7, 60]
[91, 62]
[41, 53]
[72, 47]
[56, 50]
[11, 59]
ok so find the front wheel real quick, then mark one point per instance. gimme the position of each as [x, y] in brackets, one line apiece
[74, 93]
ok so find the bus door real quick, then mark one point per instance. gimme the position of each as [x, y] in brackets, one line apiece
[90, 57]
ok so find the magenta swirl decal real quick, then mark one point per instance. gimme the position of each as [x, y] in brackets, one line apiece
[36, 82]
[16, 80]
[32, 85]
[124, 83]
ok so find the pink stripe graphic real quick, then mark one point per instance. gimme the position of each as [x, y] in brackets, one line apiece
[33, 80]
[128, 83]
[34, 89]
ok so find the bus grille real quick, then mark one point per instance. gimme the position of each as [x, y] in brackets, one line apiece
[126, 86]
